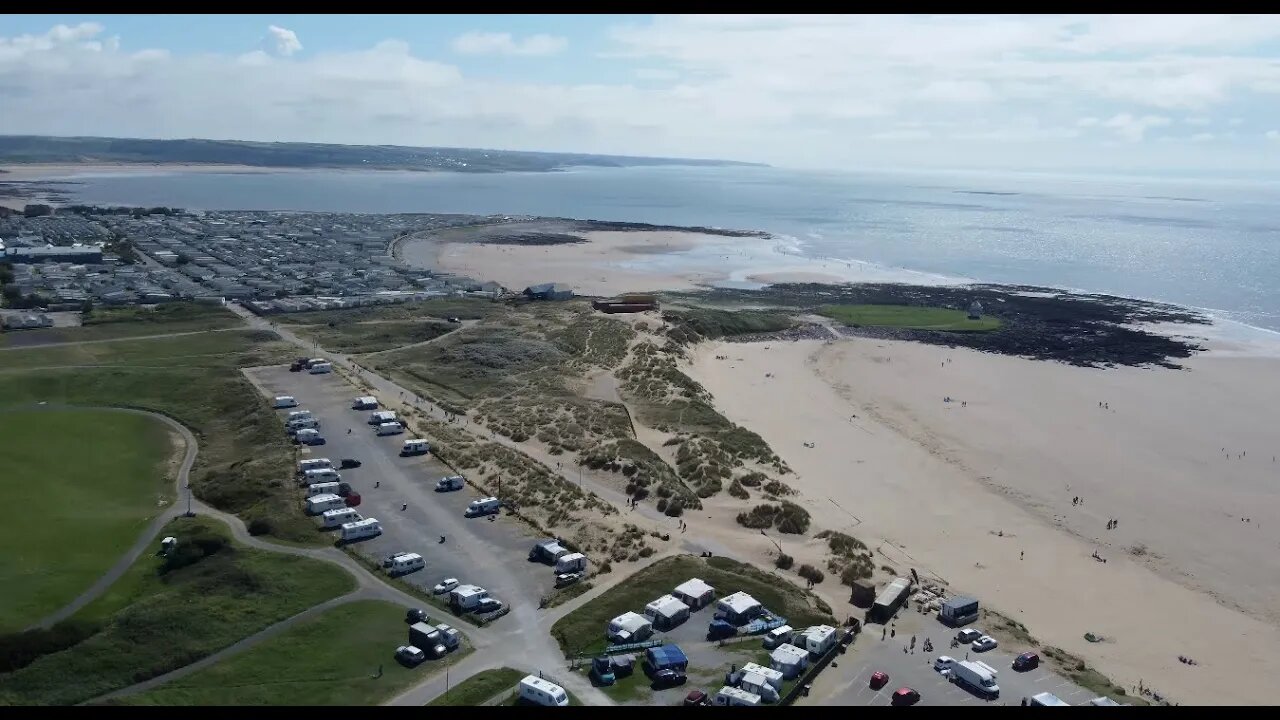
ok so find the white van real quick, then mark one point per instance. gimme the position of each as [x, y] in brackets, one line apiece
[390, 428]
[319, 475]
[453, 482]
[361, 529]
[382, 416]
[309, 436]
[483, 506]
[406, 563]
[283, 401]
[321, 368]
[542, 692]
[367, 402]
[778, 636]
[322, 488]
[415, 447]
[314, 464]
[321, 503]
[339, 517]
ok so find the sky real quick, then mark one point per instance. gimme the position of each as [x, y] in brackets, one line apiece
[1163, 93]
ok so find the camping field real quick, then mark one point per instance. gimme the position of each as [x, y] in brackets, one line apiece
[82, 485]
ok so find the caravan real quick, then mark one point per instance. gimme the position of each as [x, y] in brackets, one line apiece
[361, 529]
[324, 488]
[406, 563]
[571, 562]
[733, 696]
[367, 402]
[330, 519]
[415, 447]
[537, 691]
[483, 506]
[321, 503]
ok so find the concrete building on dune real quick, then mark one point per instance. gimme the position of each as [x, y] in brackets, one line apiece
[549, 291]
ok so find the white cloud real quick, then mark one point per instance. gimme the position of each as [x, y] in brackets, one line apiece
[831, 90]
[1273, 134]
[478, 43]
[283, 41]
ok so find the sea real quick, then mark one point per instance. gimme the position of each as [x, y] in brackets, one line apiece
[1211, 244]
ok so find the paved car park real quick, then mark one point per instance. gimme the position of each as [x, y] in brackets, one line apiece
[848, 680]
[480, 551]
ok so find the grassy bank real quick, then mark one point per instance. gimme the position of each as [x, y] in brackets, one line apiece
[481, 687]
[374, 336]
[81, 510]
[908, 317]
[207, 596]
[129, 322]
[582, 631]
[343, 657]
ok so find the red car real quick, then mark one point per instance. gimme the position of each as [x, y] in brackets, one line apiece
[695, 698]
[879, 679]
[905, 696]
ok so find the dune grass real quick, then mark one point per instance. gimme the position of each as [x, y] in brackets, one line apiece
[909, 317]
[333, 659]
[483, 686]
[88, 482]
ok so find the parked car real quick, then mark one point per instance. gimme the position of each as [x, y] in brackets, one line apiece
[444, 586]
[602, 671]
[565, 579]
[1026, 661]
[488, 605]
[984, 643]
[968, 635]
[879, 679]
[944, 663]
[905, 696]
[454, 320]
[349, 463]
[668, 678]
[415, 615]
[410, 655]
[696, 698]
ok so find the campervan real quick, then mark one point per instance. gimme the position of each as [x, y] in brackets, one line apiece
[733, 696]
[314, 464]
[320, 475]
[390, 428]
[309, 436]
[534, 689]
[321, 503]
[283, 401]
[415, 447]
[406, 563]
[307, 423]
[361, 529]
[323, 488]
[320, 368]
[381, 416]
[483, 506]
[367, 402]
[778, 636]
[453, 482]
[339, 517]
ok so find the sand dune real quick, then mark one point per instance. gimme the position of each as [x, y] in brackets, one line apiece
[934, 483]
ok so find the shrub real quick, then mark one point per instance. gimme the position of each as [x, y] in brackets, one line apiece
[640, 493]
[18, 650]
[792, 519]
[605, 567]
[811, 573]
[784, 562]
[646, 552]
[760, 517]
[662, 501]
[736, 490]
[753, 479]
[675, 508]
[260, 526]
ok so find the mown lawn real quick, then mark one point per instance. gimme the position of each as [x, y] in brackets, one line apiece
[908, 317]
[127, 322]
[87, 482]
[582, 631]
[209, 595]
[480, 687]
[333, 659]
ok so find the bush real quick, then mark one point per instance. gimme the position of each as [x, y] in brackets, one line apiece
[662, 501]
[605, 567]
[759, 518]
[792, 519]
[784, 562]
[260, 526]
[675, 508]
[646, 552]
[811, 573]
[640, 493]
[18, 650]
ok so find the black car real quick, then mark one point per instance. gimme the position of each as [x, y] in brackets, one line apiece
[1026, 661]
[415, 615]
[668, 678]
[348, 463]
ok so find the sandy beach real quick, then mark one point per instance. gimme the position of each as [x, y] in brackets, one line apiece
[611, 262]
[42, 171]
[961, 489]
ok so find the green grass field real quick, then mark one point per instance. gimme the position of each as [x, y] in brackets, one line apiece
[127, 322]
[329, 660]
[87, 483]
[172, 613]
[582, 631]
[439, 308]
[908, 317]
[364, 337]
[231, 348]
[482, 686]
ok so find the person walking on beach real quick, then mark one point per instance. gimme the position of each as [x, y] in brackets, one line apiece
[1022, 554]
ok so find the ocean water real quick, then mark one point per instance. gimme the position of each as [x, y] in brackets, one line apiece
[1208, 244]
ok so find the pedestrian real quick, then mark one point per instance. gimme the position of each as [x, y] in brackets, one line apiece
[348, 431]
[883, 633]
[377, 483]
[893, 632]
[1022, 554]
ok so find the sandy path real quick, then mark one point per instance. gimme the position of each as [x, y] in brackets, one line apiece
[939, 481]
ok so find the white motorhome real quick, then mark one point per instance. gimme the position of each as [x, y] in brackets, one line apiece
[977, 676]
[319, 475]
[466, 597]
[572, 562]
[406, 563]
[314, 464]
[339, 517]
[453, 482]
[321, 503]
[361, 529]
[320, 368]
[728, 696]
[417, 446]
[283, 401]
[535, 690]
[381, 416]
[483, 506]
[323, 488]
[390, 428]
[367, 402]
[818, 640]
[1045, 699]
[309, 436]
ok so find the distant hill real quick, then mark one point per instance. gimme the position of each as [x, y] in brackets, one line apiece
[87, 150]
